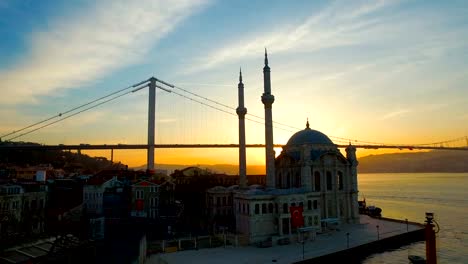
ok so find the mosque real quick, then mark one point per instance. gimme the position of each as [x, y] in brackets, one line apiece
[310, 184]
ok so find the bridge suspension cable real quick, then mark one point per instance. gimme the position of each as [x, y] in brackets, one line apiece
[138, 86]
[336, 138]
[67, 112]
[71, 115]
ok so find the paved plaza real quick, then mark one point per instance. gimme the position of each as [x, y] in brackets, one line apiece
[364, 232]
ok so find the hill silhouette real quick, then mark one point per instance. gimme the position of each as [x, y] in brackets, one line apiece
[57, 158]
[432, 161]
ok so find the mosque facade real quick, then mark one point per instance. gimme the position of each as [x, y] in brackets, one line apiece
[311, 183]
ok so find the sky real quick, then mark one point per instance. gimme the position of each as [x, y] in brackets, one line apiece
[375, 71]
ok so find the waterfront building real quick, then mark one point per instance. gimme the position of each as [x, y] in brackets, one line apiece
[148, 199]
[22, 208]
[93, 203]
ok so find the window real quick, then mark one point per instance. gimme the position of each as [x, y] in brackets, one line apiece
[224, 200]
[243, 208]
[288, 181]
[341, 207]
[139, 194]
[298, 180]
[309, 205]
[340, 180]
[285, 208]
[276, 208]
[248, 209]
[280, 181]
[270, 208]
[33, 204]
[153, 202]
[329, 181]
[257, 208]
[264, 208]
[218, 200]
[317, 181]
[315, 204]
[316, 222]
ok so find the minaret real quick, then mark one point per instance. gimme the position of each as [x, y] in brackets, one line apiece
[241, 112]
[267, 100]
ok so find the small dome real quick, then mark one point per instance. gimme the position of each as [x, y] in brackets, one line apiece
[309, 136]
[217, 189]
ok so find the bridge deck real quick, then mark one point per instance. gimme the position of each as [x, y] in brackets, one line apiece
[160, 146]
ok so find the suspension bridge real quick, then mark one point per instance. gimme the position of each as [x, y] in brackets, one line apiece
[459, 144]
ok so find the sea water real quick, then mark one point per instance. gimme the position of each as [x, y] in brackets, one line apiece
[410, 196]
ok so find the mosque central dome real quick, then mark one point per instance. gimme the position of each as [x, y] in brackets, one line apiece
[309, 136]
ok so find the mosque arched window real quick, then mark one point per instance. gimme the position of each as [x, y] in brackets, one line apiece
[329, 181]
[298, 179]
[340, 180]
[317, 181]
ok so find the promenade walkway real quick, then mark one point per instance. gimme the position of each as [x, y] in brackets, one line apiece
[334, 241]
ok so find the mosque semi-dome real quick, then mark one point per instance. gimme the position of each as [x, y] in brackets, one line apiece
[309, 136]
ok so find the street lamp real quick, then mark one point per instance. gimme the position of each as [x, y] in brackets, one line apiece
[378, 233]
[347, 240]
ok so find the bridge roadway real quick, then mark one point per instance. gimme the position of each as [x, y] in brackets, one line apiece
[173, 146]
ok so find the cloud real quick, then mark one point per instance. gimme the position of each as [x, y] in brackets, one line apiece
[338, 24]
[80, 48]
[395, 114]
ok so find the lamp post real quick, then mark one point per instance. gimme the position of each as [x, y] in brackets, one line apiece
[378, 233]
[303, 247]
[431, 251]
[347, 240]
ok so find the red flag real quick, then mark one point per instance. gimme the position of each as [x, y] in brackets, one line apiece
[139, 205]
[297, 220]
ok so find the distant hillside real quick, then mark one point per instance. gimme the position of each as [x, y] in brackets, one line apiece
[433, 161]
[57, 158]
[230, 169]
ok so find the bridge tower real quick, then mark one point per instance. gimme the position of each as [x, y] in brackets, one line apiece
[151, 123]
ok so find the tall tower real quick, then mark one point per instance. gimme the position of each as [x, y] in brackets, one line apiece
[241, 112]
[267, 100]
